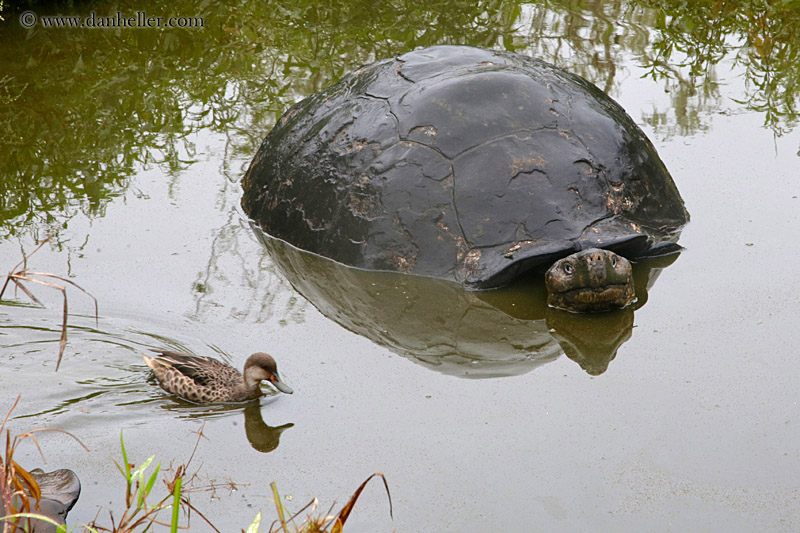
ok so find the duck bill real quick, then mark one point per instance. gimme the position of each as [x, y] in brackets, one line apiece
[280, 385]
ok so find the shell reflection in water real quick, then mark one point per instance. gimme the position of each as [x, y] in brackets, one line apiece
[469, 334]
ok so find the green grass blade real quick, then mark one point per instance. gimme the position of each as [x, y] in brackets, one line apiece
[125, 464]
[29, 515]
[278, 505]
[152, 480]
[139, 498]
[176, 505]
[253, 528]
[126, 470]
[140, 494]
[142, 467]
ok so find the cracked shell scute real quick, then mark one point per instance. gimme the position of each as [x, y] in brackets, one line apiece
[463, 164]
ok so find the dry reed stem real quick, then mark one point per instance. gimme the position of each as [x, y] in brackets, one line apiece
[321, 524]
[18, 276]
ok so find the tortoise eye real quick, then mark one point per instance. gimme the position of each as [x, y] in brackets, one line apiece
[567, 268]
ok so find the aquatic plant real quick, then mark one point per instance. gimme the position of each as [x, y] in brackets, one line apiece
[19, 275]
[139, 515]
[19, 491]
[321, 524]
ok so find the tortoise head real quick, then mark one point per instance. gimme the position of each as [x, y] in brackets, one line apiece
[589, 281]
[261, 366]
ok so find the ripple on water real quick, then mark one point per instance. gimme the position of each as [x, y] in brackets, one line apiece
[102, 381]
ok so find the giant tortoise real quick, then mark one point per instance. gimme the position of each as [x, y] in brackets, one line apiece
[473, 166]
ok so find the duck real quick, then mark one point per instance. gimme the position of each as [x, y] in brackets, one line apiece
[201, 379]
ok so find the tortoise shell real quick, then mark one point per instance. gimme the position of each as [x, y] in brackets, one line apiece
[463, 164]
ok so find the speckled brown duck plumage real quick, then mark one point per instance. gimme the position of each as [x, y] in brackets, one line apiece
[204, 380]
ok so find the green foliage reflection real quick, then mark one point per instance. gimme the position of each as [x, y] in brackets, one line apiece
[82, 110]
[764, 37]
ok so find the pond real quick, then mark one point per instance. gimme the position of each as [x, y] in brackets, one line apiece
[128, 146]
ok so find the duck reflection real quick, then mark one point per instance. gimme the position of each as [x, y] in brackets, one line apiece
[261, 436]
[504, 332]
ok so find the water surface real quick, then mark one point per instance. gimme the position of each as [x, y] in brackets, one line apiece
[129, 145]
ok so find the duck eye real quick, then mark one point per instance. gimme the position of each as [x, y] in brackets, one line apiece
[567, 268]
[614, 261]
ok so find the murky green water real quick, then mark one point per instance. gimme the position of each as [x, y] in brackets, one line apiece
[129, 144]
